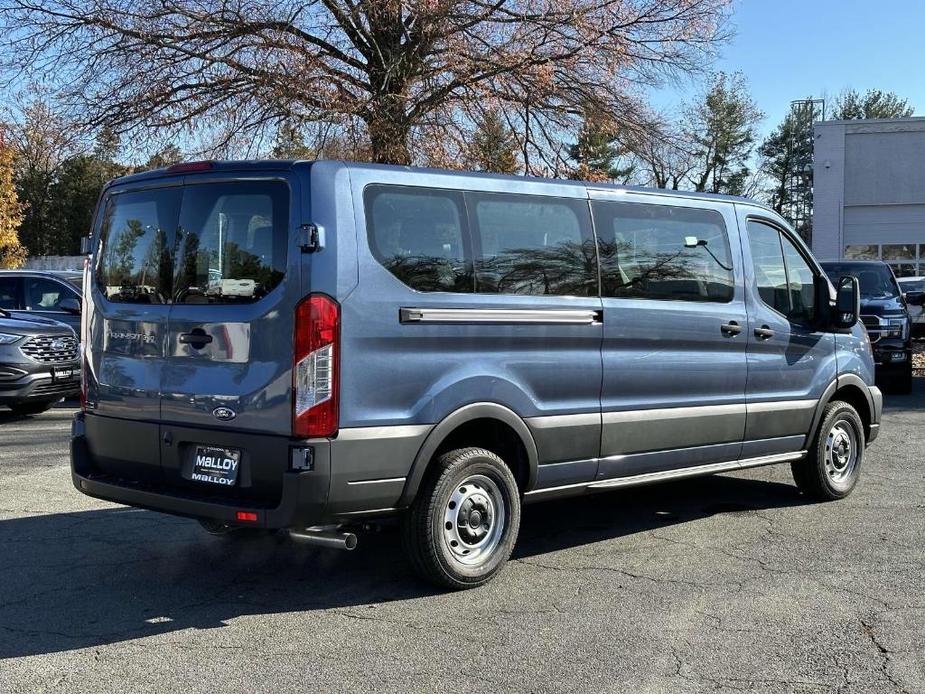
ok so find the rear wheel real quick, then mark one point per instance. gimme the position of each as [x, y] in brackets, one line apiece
[27, 408]
[832, 466]
[464, 522]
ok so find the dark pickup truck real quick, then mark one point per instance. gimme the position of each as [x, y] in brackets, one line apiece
[885, 314]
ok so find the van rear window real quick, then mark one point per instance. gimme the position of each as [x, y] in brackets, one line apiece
[195, 244]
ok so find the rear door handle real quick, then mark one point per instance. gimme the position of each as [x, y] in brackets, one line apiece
[731, 328]
[197, 338]
[764, 333]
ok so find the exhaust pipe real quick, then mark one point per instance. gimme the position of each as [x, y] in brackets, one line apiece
[325, 538]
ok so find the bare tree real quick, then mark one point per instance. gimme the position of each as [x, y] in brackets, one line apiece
[664, 154]
[397, 68]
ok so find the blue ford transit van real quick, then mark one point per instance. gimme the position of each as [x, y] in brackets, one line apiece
[311, 345]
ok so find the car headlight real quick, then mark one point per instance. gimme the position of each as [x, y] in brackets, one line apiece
[7, 339]
[895, 327]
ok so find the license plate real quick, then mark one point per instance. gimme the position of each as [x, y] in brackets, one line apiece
[59, 373]
[216, 465]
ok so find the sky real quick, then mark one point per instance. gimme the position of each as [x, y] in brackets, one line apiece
[792, 49]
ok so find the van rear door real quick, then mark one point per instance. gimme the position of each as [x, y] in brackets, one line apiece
[126, 311]
[228, 365]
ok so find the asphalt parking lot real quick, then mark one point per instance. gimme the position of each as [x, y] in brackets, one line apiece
[730, 583]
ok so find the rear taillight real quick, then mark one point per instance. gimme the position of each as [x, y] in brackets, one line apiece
[315, 371]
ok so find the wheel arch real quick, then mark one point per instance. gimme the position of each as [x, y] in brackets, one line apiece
[485, 424]
[851, 389]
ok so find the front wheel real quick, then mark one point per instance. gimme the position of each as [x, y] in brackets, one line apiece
[832, 465]
[462, 526]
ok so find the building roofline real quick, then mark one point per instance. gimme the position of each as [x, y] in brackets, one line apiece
[871, 121]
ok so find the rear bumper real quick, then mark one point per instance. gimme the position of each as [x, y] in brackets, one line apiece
[359, 474]
[301, 503]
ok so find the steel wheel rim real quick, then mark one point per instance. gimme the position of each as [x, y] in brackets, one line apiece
[841, 453]
[474, 518]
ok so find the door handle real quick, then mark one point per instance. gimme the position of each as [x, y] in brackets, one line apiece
[198, 338]
[731, 328]
[764, 333]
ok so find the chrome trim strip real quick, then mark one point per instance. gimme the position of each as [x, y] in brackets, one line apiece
[551, 316]
[681, 473]
[555, 421]
[398, 431]
[775, 405]
[629, 416]
[379, 481]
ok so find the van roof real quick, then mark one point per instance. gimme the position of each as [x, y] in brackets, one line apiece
[285, 164]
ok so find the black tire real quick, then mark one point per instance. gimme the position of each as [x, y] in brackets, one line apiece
[476, 489]
[26, 408]
[832, 466]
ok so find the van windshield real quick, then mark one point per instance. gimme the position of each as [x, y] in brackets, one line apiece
[194, 244]
[876, 280]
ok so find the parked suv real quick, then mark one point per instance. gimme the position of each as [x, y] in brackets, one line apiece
[885, 314]
[39, 363]
[314, 345]
[43, 293]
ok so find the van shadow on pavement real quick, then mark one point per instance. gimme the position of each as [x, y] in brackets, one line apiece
[76, 580]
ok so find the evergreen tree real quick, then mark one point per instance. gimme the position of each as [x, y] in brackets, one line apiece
[12, 252]
[493, 146]
[599, 153]
[874, 103]
[788, 155]
[74, 194]
[722, 132]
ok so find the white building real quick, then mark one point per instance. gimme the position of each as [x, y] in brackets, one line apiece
[869, 192]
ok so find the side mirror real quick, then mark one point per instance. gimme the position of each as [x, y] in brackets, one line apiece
[847, 303]
[70, 305]
[914, 298]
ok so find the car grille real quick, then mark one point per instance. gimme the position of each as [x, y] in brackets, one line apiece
[872, 323]
[51, 349]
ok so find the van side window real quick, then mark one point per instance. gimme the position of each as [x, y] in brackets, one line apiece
[535, 245]
[785, 280]
[663, 252]
[801, 280]
[135, 264]
[417, 234]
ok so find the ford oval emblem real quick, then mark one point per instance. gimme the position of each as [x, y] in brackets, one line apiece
[225, 414]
